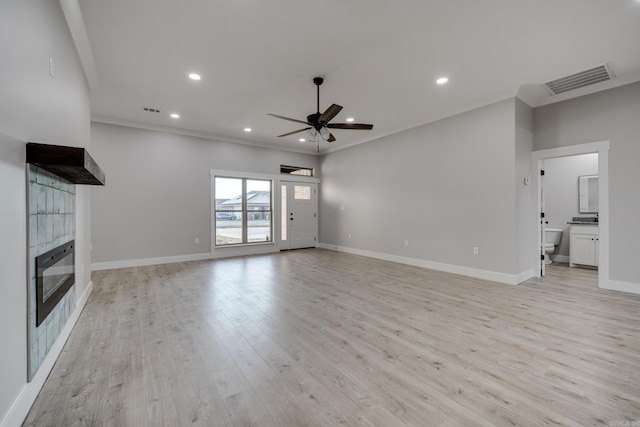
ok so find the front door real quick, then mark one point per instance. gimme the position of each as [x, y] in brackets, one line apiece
[298, 215]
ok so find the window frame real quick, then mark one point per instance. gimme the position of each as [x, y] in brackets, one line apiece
[244, 210]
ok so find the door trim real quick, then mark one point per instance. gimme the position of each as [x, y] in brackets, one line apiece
[602, 148]
[314, 183]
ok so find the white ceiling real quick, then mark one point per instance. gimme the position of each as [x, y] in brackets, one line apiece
[379, 58]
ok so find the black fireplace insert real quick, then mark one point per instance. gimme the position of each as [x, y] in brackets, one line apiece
[55, 275]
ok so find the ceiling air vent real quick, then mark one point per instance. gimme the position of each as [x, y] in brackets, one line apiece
[589, 77]
[151, 110]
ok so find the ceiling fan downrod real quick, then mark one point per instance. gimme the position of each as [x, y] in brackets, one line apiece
[318, 81]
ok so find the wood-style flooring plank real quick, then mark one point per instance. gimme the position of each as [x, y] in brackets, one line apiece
[320, 338]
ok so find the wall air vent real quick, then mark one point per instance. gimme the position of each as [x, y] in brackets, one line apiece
[151, 110]
[589, 77]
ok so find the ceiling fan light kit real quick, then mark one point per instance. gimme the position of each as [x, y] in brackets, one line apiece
[312, 135]
[318, 123]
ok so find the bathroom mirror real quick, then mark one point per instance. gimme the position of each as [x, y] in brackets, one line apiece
[588, 194]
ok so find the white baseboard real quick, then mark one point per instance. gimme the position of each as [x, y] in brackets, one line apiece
[560, 258]
[127, 263]
[23, 403]
[509, 279]
[615, 285]
[525, 275]
[218, 253]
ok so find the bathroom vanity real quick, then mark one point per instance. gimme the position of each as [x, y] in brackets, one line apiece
[584, 244]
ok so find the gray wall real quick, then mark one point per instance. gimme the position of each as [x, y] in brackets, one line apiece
[561, 192]
[158, 198]
[525, 219]
[40, 108]
[446, 187]
[612, 115]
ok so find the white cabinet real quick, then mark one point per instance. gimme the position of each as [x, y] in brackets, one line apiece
[584, 245]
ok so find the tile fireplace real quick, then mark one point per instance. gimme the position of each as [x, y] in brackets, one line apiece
[52, 235]
[52, 175]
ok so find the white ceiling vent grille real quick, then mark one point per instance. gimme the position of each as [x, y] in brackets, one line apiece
[589, 77]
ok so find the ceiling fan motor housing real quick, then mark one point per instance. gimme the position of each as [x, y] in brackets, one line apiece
[312, 119]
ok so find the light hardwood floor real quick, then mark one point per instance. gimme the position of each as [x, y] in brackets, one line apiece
[320, 338]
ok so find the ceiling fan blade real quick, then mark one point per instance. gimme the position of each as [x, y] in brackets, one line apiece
[329, 114]
[287, 118]
[295, 131]
[331, 138]
[356, 126]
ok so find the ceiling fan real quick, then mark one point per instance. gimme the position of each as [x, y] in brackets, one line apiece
[318, 123]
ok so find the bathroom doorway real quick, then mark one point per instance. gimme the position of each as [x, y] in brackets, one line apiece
[594, 157]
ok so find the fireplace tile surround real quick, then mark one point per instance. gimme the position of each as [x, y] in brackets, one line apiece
[52, 218]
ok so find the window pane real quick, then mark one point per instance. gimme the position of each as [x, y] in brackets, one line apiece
[228, 232]
[228, 193]
[258, 195]
[296, 170]
[258, 211]
[259, 231]
[302, 192]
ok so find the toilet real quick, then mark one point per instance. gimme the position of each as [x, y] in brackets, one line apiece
[551, 240]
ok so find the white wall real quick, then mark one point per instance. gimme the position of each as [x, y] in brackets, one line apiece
[447, 187]
[561, 194]
[39, 108]
[157, 198]
[612, 115]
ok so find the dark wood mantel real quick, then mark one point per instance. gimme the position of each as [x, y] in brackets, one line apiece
[71, 163]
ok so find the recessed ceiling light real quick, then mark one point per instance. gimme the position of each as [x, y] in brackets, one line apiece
[442, 80]
[247, 129]
[194, 76]
[175, 115]
[350, 119]
[302, 140]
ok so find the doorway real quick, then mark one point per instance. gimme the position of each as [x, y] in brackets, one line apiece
[602, 149]
[298, 215]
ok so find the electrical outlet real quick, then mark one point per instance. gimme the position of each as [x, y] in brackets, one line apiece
[406, 243]
[349, 236]
[197, 241]
[476, 250]
[51, 73]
